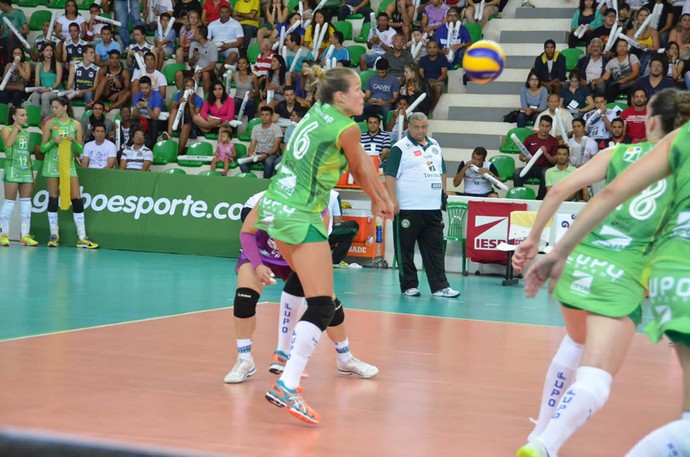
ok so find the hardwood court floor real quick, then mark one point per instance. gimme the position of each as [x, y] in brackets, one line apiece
[452, 382]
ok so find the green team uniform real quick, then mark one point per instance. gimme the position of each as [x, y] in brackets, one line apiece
[50, 162]
[18, 160]
[605, 273]
[669, 283]
[291, 208]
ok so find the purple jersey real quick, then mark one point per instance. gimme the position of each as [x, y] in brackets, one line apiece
[270, 256]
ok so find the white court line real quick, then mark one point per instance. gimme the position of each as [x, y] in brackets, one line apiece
[261, 303]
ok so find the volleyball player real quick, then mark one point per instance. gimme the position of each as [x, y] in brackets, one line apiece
[60, 128]
[323, 144]
[18, 177]
[670, 269]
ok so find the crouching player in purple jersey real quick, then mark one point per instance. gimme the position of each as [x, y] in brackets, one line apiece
[258, 266]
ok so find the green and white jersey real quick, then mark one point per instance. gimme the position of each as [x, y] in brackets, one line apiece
[633, 226]
[50, 162]
[18, 159]
[673, 244]
[312, 162]
[417, 170]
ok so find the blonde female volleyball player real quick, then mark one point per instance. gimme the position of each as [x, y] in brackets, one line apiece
[603, 285]
[63, 127]
[324, 142]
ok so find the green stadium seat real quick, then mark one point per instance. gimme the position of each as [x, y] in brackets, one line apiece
[505, 166]
[363, 36]
[345, 28]
[55, 4]
[170, 70]
[38, 18]
[253, 52]
[356, 51]
[211, 173]
[364, 76]
[245, 175]
[241, 151]
[201, 148]
[34, 114]
[475, 31]
[175, 171]
[521, 193]
[165, 152]
[572, 55]
[509, 146]
[247, 135]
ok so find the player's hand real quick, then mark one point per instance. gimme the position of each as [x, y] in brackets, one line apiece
[265, 275]
[524, 254]
[385, 208]
[57, 139]
[548, 267]
[70, 137]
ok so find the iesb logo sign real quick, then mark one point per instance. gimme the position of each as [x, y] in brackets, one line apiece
[494, 231]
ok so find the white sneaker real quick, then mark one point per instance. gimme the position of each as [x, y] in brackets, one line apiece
[357, 367]
[527, 4]
[446, 292]
[241, 371]
[412, 292]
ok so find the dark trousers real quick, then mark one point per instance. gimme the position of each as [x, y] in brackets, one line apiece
[344, 12]
[534, 172]
[341, 239]
[424, 227]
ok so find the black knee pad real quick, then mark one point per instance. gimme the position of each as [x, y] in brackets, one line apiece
[319, 311]
[338, 315]
[293, 286]
[77, 205]
[245, 302]
[53, 204]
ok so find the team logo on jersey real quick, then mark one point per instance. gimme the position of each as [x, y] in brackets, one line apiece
[597, 267]
[582, 284]
[618, 240]
[495, 231]
[434, 150]
[405, 223]
[682, 228]
[417, 153]
[23, 143]
[632, 154]
[288, 180]
[669, 288]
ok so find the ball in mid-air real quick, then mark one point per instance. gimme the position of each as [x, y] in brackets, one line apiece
[484, 61]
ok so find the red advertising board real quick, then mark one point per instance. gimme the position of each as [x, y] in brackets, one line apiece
[487, 226]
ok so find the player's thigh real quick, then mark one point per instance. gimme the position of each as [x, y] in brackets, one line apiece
[312, 262]
[246, 277]
[608, 340]
[575, 323]
[10, 189]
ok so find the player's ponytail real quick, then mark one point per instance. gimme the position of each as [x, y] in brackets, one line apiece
[683, 111]
[332, 81]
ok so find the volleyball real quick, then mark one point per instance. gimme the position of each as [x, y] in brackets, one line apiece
[484, 61]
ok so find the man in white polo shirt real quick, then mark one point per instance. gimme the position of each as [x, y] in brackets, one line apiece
[227, 34]
[416, 183]
[137, 157]
[99, 153]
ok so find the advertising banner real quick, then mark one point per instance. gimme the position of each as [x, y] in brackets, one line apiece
[488, 225]
[155, 212]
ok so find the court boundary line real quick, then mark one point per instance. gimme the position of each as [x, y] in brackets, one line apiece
[147, 319]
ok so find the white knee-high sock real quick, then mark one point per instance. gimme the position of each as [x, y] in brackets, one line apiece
[559, 377]
[81, 227]
[25, 208]
[5, 214]
[587, 395]
[306, 337]
[671, 439]
[291, 308]
[53, 223]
